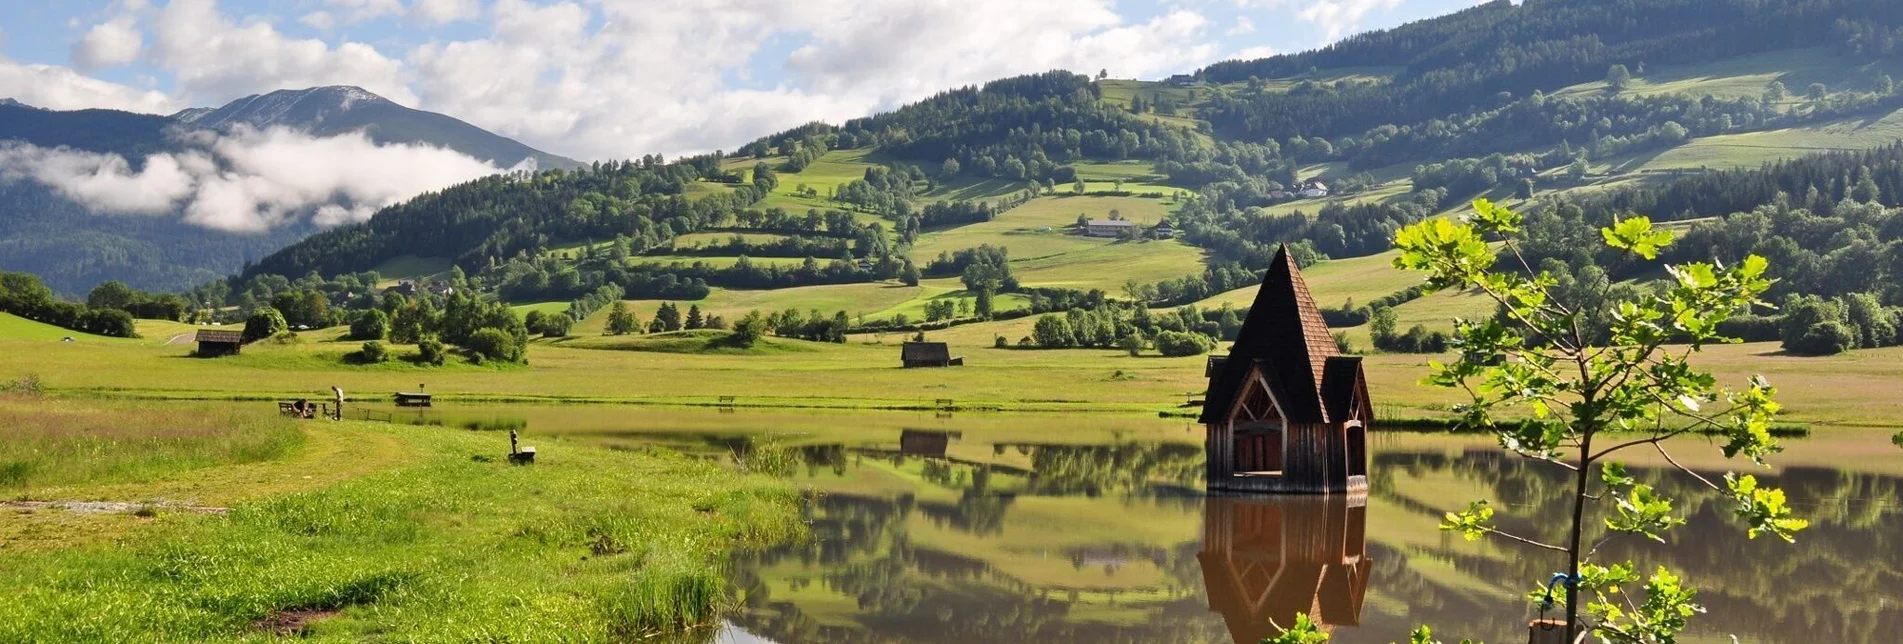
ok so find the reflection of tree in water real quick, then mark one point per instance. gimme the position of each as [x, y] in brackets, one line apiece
[1842, 582]
[976, 512]
[860, 549]
[1095, 470]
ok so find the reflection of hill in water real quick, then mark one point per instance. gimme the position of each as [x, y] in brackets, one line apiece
[1043, 543]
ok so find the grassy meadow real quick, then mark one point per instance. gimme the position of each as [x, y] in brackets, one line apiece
[864, 373]
[350, 531]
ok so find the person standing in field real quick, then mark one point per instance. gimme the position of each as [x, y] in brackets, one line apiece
[339, 413]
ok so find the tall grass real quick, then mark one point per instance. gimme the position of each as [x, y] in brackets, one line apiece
[589, 544]
[47, 442]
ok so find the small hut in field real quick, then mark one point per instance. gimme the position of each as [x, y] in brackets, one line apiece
[1286, 412]
[1267, 559]
[213, 343]
[928, 354]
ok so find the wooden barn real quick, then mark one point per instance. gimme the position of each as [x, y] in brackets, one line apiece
[1267, 559]
[1285, 411]
[213, 343]
[928, 354]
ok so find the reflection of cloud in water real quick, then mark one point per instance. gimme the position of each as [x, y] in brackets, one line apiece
[732, 634]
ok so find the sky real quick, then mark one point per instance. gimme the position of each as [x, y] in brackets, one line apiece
[610, 79]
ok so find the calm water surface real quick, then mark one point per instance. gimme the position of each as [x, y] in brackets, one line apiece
[1067, 528]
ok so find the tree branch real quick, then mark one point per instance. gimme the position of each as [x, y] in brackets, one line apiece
[1687, 470]
[1525, 540]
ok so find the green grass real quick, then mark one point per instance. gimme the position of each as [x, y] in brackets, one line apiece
[700, 341]
[1748, 76]
[946, 289]
[1334, 282]
[854, 299]
[1108, 266]
[49, 442]
[1751, 149]
[719, 238]
[1041, 228]
[411, 267]
[720, 262]
[595, 544]
[544, 307]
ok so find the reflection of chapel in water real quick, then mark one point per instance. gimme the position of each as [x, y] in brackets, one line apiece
[1266, 559]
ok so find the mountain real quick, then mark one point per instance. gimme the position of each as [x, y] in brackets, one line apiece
[73, 247]
[333, 110]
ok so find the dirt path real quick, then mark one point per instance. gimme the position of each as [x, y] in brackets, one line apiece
[182, 338]
[108, 507]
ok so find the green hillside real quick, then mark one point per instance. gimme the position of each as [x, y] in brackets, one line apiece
[883, 218]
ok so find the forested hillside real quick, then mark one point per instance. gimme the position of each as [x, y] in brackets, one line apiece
[1573, 109]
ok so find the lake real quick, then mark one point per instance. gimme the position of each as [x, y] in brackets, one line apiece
[1073, 528]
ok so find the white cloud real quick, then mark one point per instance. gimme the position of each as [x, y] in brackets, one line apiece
[1242, 27]
[362, 10]
[108, 44]
[620, 78]
[104, 182]
[655, 76]
[1253, 53]
[60, 88]
[215, 60]
[444, 11]
[1338, 17]
[319, 20]
[247, 181]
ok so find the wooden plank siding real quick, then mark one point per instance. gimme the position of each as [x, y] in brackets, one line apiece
[1317, 459]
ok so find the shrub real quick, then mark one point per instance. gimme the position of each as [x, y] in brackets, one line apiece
[373, 352]
[266, 322]
[555, 325]
[370, 325]
[1132, 343]
[109, 322]
[748, 331]
[1751, 328]
[1000, 343]
[430, 351]
[494, 344]
[1178, 343]
[1826, 338]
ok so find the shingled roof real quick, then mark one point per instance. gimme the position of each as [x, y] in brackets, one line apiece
[925, 352]
[1286, 337]
[219, 335]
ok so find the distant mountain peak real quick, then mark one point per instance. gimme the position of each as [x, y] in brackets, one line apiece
[8, 102]
[302, 109]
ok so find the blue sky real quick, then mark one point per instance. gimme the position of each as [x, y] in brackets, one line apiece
[619, 78]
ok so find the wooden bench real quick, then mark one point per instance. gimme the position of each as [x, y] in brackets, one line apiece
[404, 399]
[524, 456]
[313, 409]
[726, 401]
[943, 403]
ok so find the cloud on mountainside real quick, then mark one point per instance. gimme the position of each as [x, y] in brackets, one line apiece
[246, 181]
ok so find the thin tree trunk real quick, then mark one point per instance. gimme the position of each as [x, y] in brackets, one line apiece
[1583, 476]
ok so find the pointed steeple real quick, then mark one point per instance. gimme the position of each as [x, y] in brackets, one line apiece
[1286, 336]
